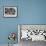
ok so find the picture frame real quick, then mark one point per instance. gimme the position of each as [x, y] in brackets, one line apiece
[34, 30]
[10, 11]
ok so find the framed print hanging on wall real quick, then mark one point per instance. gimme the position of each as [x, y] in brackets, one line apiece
[10, 11]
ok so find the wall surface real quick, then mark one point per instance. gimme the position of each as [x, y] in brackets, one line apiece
[7, 25]
[29, 12]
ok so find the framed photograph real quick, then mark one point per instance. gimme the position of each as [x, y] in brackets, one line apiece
[10, 11]
[31, 32]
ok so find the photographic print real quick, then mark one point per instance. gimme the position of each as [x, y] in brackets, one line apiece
[10, 11]
[32, 32]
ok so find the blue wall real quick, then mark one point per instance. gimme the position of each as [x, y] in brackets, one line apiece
[29, 12]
